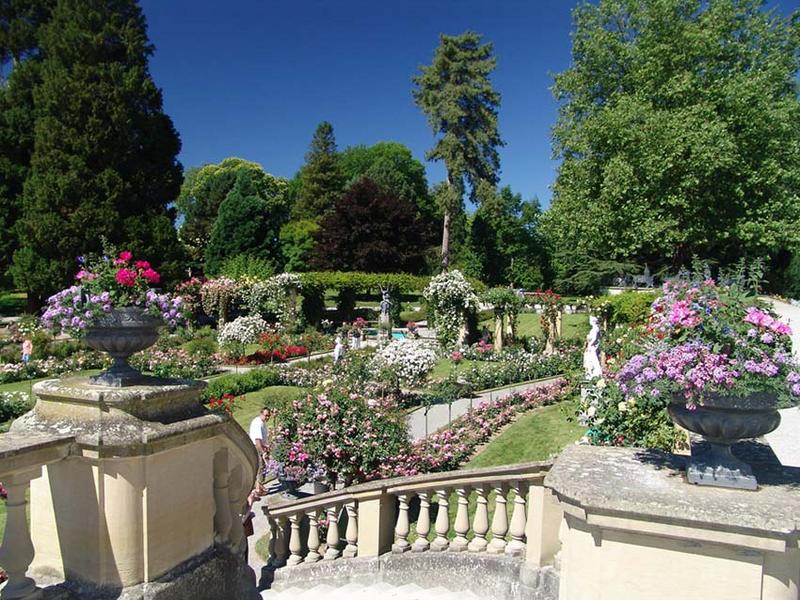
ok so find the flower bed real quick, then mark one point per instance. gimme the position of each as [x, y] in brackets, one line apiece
[34, 369]
[176, 362]
[518, 366]
[13, 405]
[445, 450]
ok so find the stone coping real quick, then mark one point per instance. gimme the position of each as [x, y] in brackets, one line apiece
[650, 485]
[21, 451]
[278, 505]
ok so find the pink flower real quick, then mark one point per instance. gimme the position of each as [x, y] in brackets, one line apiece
[125, 255]
[82, 274]
[126, 277]
[151, 276]
[142, 264]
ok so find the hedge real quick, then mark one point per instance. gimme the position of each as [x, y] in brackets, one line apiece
[238, 384]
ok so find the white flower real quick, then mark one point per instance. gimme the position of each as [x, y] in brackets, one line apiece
[410, 360]
[592, 411]
[622, 406]
[244, 330]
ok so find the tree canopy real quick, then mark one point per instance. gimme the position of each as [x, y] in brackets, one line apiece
[204, 189]
[248, 222]
[370, 230]
[678, 133]
[456, 94]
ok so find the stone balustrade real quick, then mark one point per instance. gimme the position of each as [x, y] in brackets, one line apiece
[370, 519]
[21, 460]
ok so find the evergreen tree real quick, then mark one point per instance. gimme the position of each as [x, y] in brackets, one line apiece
[203, 191]
[243, 227]
[320, 179]
[20, 23]
[104, 158]
[456, 94]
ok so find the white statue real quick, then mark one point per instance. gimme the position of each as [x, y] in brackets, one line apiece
[591, 356]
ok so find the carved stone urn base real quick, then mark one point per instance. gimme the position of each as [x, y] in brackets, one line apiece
[723, 421]
[717, 466]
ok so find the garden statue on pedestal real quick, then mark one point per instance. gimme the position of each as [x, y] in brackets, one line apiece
[384, 321]
[591, 356]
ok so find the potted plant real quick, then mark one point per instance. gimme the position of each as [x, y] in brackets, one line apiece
[724, 362]
[114, 307]
[293, 466]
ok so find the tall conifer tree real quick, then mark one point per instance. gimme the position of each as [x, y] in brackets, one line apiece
[320, 179]
[104, 159]
[457, 96]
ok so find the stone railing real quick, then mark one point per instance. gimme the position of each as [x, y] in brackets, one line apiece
[22, 457]
[370, 519]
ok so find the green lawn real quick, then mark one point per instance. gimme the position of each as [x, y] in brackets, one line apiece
[535, 436]
[445, 366]
[274, 396]
[573, 327]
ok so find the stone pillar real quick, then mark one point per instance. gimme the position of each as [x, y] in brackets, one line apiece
[376, 521]
[541, 527]
[155, 482]
[499, 333]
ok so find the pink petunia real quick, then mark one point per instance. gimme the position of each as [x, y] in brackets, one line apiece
[126, 277]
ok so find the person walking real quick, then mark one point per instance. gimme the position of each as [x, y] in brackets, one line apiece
[27, 350]
[259, 436]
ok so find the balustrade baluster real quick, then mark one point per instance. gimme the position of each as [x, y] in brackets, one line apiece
[333, 535]
[442, 522]
[480, 523]
[516, 547]
[461, 526]
[313, 537]
[295, 545]
[423, 523]
[281, 542]
[499, 522]
[351, 533]
[16, 552]
[401, 528]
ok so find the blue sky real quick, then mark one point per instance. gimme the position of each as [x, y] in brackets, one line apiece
[253, 78]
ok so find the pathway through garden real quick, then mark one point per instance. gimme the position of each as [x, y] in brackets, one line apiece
[785, 440]
[440, 415]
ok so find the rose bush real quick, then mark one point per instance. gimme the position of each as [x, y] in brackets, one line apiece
[450, 298]
[409, 361]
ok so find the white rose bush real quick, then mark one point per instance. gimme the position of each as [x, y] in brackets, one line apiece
[450, 298]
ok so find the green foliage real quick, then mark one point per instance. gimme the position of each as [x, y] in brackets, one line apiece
[370, 230]
[247, 224]
[678, 132]
[504, 245]
[297, 242]
[244, 265]
[392, 167]
[584, 275]
[627, 308]
[504, 300]
[104, 153]
[13, 405]
[320, 180]
[792, 277]
[456, 95]
[203, 191]
[238, 384]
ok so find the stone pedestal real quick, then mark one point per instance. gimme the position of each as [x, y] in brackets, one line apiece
[152, 489]
[634, 528]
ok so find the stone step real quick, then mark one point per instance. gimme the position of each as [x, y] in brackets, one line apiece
[377, 591]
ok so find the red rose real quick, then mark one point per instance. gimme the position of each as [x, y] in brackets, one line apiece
[125, 255]
[142, 264]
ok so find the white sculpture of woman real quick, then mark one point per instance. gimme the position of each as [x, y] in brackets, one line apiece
[591, 356]
[338, 348]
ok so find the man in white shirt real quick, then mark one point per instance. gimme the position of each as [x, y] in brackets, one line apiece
[258, 433]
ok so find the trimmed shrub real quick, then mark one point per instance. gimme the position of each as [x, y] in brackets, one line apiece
[238, 384]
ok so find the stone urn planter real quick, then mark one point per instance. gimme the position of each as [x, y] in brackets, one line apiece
[723, 421]
[290, 487]
[121, 333]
